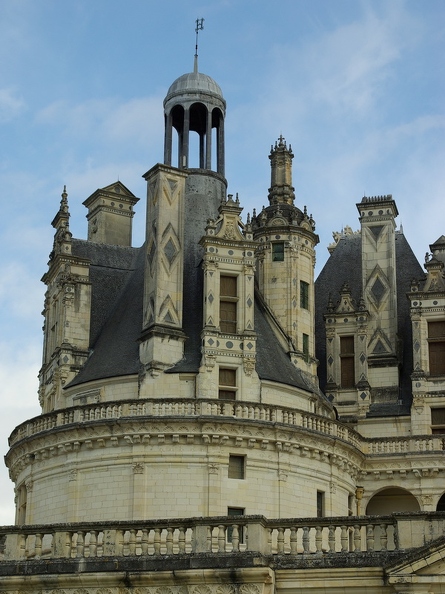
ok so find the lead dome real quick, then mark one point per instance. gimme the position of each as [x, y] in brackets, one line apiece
[194, 82]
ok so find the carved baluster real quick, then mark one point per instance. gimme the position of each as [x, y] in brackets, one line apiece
[93, 543]
[235, 538]
[344, 539]
[38, 546]
[157, 541]
[181, 539]
[269, 541]
[119, 543]
[68, 544]
[370, 538]
[396, 537]
[383, 537]
[22, 546]
[221, 539]
[132, 542]
[305, 539]
[318, 539]
[293, 541]
[209, 539]
[357, 539]
[144, 541]
[169, 540]
[280, 540]
[331, 539]
[80, 548]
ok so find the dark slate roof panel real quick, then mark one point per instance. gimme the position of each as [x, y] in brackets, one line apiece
[273, 363]
[115, 350]
[344, 265]
[117, 285]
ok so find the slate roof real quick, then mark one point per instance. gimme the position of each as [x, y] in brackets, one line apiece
[116, 275]
[344, 265]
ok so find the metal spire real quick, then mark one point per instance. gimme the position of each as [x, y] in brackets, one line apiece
[199, 27]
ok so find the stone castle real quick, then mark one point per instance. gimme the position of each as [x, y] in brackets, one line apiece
[214, 419]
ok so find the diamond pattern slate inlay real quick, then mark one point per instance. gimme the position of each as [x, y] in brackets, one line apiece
[170, 251]
[378, 290]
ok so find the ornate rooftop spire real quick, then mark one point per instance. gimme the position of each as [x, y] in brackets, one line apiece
[281, 190]
[62, 236]
[199, 27]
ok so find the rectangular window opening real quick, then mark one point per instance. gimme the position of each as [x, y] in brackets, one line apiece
[237, 467]
[304, 295]
[233, 512]
[278, 251]
[227, 384]
[228, 304]
[320, 504]
[306, 346]
[347, 362]
[436, 347]
[437, 421]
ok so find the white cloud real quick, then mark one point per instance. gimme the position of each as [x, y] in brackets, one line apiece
[20, 291]
[19, 366]
[107, 120]
[11, 105]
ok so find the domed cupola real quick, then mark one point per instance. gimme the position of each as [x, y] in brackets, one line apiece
[194, 103]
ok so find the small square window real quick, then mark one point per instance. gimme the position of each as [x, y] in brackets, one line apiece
[237, 467]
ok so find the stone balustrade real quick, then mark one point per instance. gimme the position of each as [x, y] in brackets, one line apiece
[303, 536]
[218, 408]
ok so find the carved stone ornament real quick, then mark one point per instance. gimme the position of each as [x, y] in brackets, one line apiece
[209, 362]
[138, 468]
[213, 468]
[249, 366]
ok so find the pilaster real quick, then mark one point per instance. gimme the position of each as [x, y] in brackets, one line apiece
[379, 289]
[162, 335]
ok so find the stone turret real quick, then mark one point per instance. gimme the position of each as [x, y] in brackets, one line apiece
[66, 312]
[286, 259]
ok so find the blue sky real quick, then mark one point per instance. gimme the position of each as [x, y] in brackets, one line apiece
[357, 88]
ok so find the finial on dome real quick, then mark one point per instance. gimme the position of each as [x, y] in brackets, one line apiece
[199, 27]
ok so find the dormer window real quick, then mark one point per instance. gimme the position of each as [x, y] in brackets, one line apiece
[228, 304]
